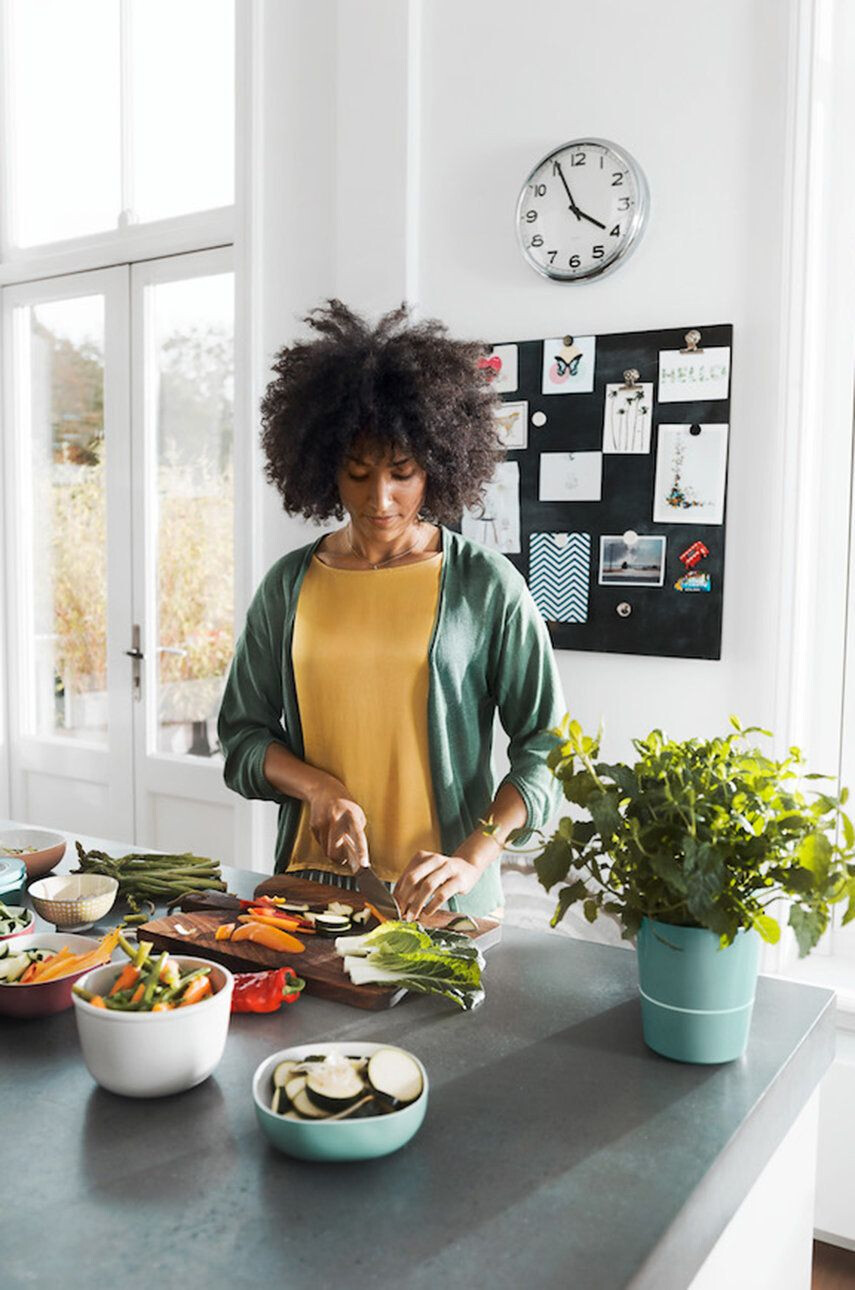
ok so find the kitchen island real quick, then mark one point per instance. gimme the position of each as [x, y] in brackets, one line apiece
[557, 1149]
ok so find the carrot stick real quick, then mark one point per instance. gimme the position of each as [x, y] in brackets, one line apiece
[126, 978]
[196, 990]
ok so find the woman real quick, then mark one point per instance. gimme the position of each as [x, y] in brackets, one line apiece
[363, 689]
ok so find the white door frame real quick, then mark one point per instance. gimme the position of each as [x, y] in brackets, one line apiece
[71, 759]
[159, 775]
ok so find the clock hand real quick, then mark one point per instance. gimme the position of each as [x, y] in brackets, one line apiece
[589, 218]
[574, 208]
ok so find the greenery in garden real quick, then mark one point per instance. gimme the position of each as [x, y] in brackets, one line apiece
[195, 513]
[699, 832]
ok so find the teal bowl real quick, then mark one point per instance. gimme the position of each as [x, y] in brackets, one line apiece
[365, 1139]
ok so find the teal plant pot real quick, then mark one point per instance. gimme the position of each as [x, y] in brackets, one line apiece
[696, 1000]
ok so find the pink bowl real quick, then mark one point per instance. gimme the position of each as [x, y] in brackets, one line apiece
[47, 997]
[26, 930]
[50, 848]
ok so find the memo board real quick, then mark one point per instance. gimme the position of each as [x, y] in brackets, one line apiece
[643, 454]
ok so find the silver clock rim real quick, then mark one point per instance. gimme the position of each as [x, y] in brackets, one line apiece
[637, 223]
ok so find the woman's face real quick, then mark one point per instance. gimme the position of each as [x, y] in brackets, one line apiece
[382, 491]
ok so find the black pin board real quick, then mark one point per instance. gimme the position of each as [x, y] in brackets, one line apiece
[631, 617]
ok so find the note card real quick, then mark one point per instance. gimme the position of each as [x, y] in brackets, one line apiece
[496, 522]
[694, 377]
[560, 574]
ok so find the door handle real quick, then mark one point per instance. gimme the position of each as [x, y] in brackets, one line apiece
[136, 656]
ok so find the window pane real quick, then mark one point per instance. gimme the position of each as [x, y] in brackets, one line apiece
[68, 639]
[193, 331]
[183, 106]
[65, 118]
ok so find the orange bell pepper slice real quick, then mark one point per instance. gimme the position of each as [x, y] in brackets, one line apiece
[271, 937]
[224, 931]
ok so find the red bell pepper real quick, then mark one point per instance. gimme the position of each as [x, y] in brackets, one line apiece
[265, 991]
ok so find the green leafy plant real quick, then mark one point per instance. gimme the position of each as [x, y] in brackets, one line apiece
[700, 833]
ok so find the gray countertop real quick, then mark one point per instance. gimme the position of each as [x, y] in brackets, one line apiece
[557, 1149]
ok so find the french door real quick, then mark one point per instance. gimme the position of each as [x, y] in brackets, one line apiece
[119, 506]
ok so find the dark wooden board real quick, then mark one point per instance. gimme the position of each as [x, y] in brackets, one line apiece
[319, 965]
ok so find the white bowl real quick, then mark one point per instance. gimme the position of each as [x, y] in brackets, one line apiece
[153, 1054]
[39, 849]
[74, 901]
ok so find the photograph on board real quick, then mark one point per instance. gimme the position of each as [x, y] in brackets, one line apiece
[633, 562]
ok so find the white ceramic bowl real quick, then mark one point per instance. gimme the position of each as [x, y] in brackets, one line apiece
[152, 1054]
[48, 849]
[363, 1139]
[74, 901]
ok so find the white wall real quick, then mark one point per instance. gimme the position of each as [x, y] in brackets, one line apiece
[398, 134]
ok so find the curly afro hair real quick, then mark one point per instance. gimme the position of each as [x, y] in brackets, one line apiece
[398, 385]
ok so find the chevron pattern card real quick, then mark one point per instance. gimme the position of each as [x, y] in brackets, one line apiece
[559, 575]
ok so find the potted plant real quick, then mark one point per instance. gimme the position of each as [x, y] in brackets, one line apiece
[687, 847]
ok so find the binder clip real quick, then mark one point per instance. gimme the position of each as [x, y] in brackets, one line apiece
[693, 342]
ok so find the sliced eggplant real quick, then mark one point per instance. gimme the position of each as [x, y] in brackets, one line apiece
[332, 924]
[395, 1076]
[306, 1108]
[462, 923]
[338, 907]
[279, 1101]
[333, 1085]
[283, 1073]
[295, 1086]
[294, 906]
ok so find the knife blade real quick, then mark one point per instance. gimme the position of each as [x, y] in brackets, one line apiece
[370, 885]
[377, 892]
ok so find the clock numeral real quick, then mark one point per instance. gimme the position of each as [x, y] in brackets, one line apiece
[575, 261]
[530, 216]
[578, 159]
[617, 178]
[598, 252]
[552, 255]
[615, 232]
[539, 190]
[537, 240]
[624, 203]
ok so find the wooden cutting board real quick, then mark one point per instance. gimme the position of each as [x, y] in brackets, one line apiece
[193, 932]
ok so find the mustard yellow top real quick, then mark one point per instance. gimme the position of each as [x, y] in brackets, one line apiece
[360, 657]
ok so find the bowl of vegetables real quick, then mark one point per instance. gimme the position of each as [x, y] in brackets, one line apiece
[155, 1025]
[40, 849]
[38, 971]
[340, 1101]
[15, 920]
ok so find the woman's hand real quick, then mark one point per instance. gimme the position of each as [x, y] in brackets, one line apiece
[338, 825]
[430, 879]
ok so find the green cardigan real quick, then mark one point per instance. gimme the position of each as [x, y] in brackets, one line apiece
[489, 650]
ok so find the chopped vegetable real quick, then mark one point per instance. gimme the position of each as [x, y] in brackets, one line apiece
[224, 931]
[271, 937]
[427, 961]
[13, 918]
[63, 963]
[156, 986]
[265, 991]
[337, 1086]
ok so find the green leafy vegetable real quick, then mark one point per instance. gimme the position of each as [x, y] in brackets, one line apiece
[415, 958]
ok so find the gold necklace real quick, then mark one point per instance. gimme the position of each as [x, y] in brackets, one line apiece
[397, 556]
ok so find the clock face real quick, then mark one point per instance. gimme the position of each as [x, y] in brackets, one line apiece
[581, 210]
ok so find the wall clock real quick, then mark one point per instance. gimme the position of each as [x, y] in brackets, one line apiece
[582, 210]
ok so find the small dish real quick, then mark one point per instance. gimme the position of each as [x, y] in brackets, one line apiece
[74, 901]
[14, 912]
[44, 998]
[362, 1139]
[39, 849]
[153, 1054]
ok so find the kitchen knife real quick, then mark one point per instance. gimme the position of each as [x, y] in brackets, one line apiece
[377, 892]
[370, 885]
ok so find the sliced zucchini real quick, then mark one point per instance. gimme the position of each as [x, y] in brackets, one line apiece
[332, 924]
[462, 923]
[294, 906]
[334, 1085]
[279, 1101]
[294, 1086]
[306, 1108]
[337, 907]
[395, 1076]
[283, 1073]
